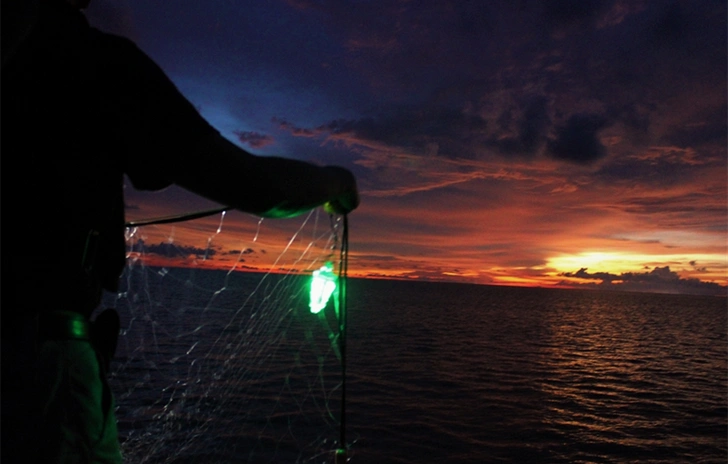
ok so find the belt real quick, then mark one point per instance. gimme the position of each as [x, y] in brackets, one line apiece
[69, 325]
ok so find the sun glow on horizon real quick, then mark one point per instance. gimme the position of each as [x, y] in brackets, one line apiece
[707, 264]
[614, 262]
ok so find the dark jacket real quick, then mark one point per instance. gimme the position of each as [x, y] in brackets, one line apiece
[80, 110]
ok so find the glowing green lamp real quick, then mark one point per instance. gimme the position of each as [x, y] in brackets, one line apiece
[323, 284]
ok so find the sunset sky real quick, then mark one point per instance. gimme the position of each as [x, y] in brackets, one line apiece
[544, 143]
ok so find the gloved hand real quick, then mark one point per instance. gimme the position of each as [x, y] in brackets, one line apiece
[348, 200]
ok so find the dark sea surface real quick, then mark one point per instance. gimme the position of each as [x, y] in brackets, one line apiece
[217, 368]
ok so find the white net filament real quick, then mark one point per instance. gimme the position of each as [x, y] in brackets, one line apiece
[219, 358]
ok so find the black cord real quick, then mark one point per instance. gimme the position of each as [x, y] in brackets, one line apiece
[177, 218]
[343, 270]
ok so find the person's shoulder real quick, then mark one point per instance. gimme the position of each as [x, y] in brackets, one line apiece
[118, 54]
[112, 41]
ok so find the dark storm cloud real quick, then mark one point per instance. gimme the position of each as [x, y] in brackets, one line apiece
[667, 53]
[430, 130]
[711, 127]
[583, 274]
[620, 58]
[681, 211]
[170, 250]
[668, 186]
[246, 251]
[659, 279]
[530, 129]
[577, 141]
[629, 171]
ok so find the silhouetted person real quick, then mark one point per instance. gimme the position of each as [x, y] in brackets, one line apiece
[81, 109]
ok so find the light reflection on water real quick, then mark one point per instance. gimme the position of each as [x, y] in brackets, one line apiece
[546, 375]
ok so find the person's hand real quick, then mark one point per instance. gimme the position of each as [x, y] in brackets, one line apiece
[343, 205]
[348, 200]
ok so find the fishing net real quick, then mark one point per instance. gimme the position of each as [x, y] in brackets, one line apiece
[219, 357]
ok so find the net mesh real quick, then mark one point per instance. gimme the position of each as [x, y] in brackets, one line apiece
[219, 357]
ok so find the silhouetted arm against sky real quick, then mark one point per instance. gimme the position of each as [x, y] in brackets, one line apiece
[265, 186]
[168, 141]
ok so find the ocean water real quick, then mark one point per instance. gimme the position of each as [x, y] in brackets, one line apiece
[216, 368]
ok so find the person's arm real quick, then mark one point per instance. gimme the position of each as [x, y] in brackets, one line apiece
[169, 142]
[266, 186]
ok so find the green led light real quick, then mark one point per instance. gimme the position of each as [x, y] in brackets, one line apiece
[323, 284]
